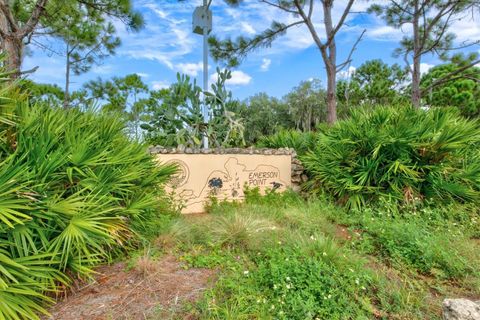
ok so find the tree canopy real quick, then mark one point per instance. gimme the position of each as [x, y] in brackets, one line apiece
[373, 83]
[26, 22]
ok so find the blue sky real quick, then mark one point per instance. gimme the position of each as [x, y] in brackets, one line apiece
[166, 46]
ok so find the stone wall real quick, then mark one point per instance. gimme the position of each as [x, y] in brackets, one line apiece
[298, 172]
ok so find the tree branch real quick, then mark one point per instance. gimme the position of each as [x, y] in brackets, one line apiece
[354, 47]
[5, 8]
[404, 10]
[32, 22]
[278, 6]
[29, 71]
[449, 76]
[340, 22]
[308, 21]
[310, 10]
[44, 47]
[448, 9]
[251, 44]
[439, 37]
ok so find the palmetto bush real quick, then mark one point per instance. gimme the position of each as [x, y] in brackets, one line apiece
[73, 191]
[298, 140]
[402, 154]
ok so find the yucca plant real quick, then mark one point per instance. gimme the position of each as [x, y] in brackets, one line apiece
[403, 154]
[74, 189]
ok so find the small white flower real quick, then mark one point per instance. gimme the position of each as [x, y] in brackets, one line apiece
[245, 272]
[289, 286]
[313, 238]
[275, 287]
[357, 281]
[288, 278]
[363, 288]
[272, 307]
[324, 253]
[329, 296]
[351, 270]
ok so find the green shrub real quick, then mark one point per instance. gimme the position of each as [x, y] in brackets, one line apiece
[313, 281]
[429, 252]
[74, 190]
[431, 241]
[401, 154]
[272, 198]
[300, 141]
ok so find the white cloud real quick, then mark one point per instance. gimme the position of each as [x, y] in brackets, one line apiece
[424, 67]
[247, 27]
[103, 69]
[164, 39]
[345, 74]
[239, 78]
[190, 69]
[265, 64]
[158, 85]
[143, 75]
[383, 32]
[466, 28]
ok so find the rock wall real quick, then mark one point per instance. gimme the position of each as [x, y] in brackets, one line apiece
[298, 175]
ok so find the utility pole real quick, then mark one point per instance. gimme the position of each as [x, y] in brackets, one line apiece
[202, 24]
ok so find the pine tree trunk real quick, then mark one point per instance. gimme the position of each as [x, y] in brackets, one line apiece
[330, 60]
[416, 83]
[13, 49]
[416, 56]
[13, 61]
[66, 97]
[331, 94]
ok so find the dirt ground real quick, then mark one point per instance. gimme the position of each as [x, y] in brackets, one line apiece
[156, 290]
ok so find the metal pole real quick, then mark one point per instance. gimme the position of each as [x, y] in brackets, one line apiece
[205, 72]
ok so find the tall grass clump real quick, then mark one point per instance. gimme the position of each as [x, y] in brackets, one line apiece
[74, 190]
[300, 141]
[402, 154]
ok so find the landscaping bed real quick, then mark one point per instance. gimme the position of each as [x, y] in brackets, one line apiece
[153, 289]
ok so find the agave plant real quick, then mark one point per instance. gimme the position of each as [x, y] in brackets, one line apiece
[403, 154]
[74, 189]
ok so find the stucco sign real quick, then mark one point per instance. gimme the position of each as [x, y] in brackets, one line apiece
[224, 176]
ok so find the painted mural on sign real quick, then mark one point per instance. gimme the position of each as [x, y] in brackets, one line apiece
[224, 176]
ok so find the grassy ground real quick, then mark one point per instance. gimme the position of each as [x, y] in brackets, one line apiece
[280, 257]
